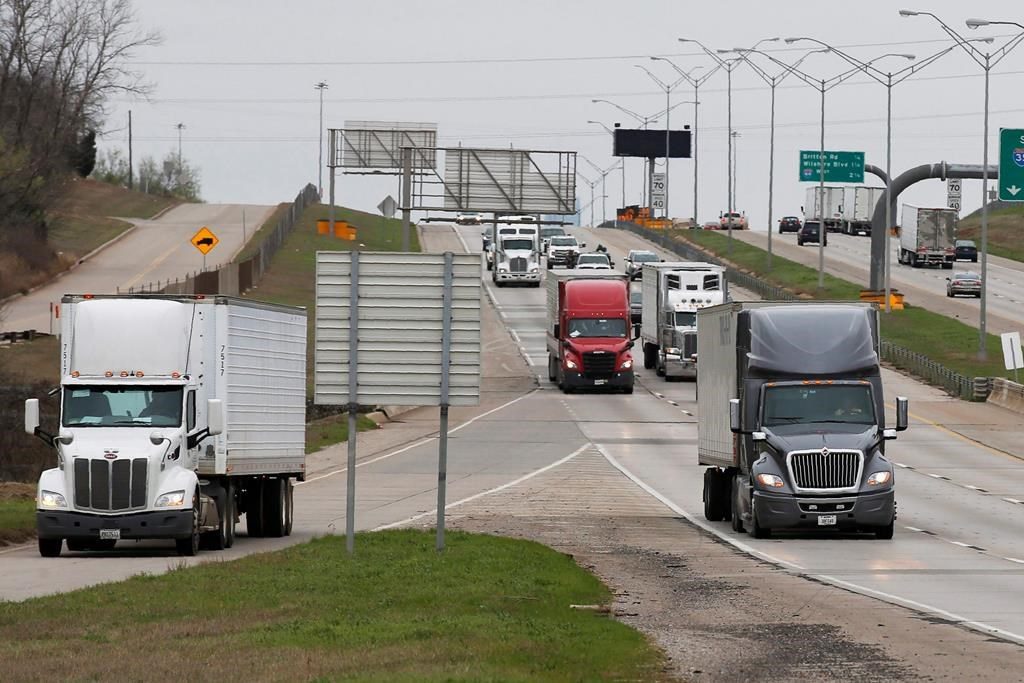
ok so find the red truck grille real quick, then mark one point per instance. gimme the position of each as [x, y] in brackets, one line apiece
[598, 365]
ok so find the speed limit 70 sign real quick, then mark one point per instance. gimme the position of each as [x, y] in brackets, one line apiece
[954, 191]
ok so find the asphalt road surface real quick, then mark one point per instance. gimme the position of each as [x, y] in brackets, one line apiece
[153, 251]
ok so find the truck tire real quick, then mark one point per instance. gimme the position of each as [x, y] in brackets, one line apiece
[734, 498]
[885, 533]
[552, 369]
[50, 547]
[913, 261]
[714, 506]
[254, 509]
[230, 515]
[756, 530]
[189, 546]
[274, 508]
[650, 355]
[77, 545]
[289, 507]
[628, 390]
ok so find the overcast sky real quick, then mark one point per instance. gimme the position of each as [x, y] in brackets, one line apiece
[240, 74]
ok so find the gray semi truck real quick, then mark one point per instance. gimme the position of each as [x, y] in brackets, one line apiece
[792, 417]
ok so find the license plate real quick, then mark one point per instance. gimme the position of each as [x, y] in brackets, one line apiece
[600, 381]
[826, 520]
[110, 534]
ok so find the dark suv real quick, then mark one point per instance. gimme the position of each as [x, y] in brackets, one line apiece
[966, 250]
[789, 224]
[810, 232]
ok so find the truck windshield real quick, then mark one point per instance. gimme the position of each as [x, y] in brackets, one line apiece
[849, 403]
[685, 319]
[517, 244]
[116, 406]
[597, 327]
[563, 242]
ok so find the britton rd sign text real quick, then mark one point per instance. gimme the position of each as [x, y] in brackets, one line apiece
[840, 167]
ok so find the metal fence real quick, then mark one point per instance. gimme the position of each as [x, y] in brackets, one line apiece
[238, 277]
[966, 388]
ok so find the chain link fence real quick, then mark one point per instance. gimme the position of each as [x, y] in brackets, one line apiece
[966, 388]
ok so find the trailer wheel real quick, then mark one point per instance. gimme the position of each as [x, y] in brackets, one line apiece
[289, 506]
[50, 547]
[229, 519]
[189, 546]
[650, 356]
[274, 508]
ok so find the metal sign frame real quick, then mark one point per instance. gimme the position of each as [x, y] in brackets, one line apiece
[375, 147]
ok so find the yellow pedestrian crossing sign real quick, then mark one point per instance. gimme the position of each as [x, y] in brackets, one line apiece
[204, 240]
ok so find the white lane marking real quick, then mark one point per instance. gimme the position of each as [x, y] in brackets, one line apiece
[530, 475]
[906, 467]
[688, 413]
[960, 543]
[690, 518]
[912, 528]
[418, 443]
[1014, 559]
[1013, 500]
[856, 588]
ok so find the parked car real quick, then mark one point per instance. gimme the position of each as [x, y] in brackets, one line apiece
[737, 219]
[965, 250]
[636, 258]
[964, 283]
[593, 261]
[810, 231]
[789, 224]
[468, 219]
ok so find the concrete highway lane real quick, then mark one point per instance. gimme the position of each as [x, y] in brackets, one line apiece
[154, 250]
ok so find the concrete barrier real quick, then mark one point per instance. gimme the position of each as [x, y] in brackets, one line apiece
[1007, 394]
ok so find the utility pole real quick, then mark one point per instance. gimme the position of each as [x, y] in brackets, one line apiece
[131, 182]
[321, 86]
[180, 127]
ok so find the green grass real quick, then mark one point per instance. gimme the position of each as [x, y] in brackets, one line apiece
[943, 339]
[17, 520]
[1005, 225]
[334, 429]
[486, 609]
[256, 239]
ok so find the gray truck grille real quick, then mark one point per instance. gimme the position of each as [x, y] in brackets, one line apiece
[689, 344]
[517, 265]
[825, 469]
[598, 365]
[110, 485]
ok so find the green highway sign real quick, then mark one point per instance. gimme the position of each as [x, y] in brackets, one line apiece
[840, 167]
[1011, 164]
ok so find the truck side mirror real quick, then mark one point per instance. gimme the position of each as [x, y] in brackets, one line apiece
[215, 416]
[31, 415]
[902, 413]
[734, 416]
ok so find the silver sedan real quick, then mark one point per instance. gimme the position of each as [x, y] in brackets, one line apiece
[964, 283]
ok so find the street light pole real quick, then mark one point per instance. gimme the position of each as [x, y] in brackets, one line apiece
[321, 86]
[643, 120]
[622, 168]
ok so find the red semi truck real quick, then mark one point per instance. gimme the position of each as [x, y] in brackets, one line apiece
[588, 327]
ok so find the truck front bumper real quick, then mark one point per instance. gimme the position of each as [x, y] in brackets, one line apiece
[619, 380]
[684, 369]
[775, 511]
[517, 277]
[83, 525]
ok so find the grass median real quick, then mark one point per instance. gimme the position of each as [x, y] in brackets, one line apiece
[17, 512]
[943, 339]
[486, 609]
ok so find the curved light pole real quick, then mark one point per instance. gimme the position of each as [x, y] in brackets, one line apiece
[622, 167]
[987, 61]
[604, 174]
[773, 82]
[592, 184]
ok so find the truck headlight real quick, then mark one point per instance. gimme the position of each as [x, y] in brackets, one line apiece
[771, 481]
[627, 364]
[51, 500]
[174, 499]
[570, 363]
[880, 478]
[502, 269]
[672, 351]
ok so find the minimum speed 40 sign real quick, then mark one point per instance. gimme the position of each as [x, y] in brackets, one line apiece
[954, 190]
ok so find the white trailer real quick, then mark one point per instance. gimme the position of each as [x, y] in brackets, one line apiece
[832, 215]
[177, 415]
[928, 237]
[858, 207]
[672, 293]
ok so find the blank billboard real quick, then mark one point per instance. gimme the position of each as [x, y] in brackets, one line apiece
[651, 143]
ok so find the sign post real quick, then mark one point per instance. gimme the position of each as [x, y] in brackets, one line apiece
[1011, 164]
[658, 191]
[204, 240]
[840, 167]
[1013, 358]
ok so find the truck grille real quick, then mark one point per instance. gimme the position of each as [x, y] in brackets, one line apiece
[517, 265]
[689, 346]
[825, 469]
[598, 365]
[109, 486]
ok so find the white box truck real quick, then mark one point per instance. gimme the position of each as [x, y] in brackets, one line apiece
[672, 294]
[928, 237]
[831, 216]
[177, 415]
[858, 207]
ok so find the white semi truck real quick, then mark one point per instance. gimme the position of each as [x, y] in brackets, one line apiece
[672, 293]
[928, 237]
[832, 215]
[858, 207]
[517, 256]
[178, 414]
